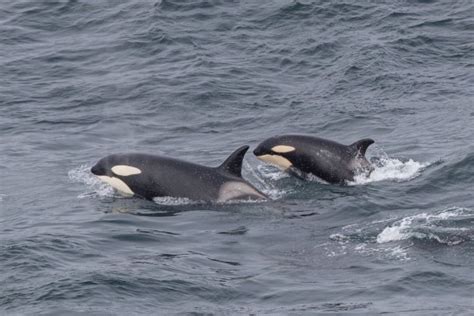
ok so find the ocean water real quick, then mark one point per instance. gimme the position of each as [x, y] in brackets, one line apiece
[196, 79]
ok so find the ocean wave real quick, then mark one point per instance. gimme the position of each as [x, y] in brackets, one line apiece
[448, 227]
[444, 227]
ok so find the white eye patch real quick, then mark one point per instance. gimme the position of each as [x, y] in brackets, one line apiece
[124, 170]
[283, 149]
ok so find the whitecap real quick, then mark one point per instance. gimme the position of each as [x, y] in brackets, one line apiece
[427, 226]
[450, 227]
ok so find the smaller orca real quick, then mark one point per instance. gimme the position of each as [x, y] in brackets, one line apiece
[151, 176]
[325, 159]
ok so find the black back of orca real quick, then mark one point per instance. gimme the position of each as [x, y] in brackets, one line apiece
[326, 159]
[163, 176]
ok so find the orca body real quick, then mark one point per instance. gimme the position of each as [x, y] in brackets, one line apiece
[151, 176]
[328, 160]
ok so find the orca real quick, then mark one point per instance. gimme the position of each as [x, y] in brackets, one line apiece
[150, 176]
[302, 155]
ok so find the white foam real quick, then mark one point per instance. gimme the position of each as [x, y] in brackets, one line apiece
[391, 169]
[250, 201]
[398, 253]
[339, 238]
[83, 175]
[169, 200]
[422, 226]
[176, 201]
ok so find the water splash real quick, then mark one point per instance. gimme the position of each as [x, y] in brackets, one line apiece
[180, 201]
[174, 201]
[393, 169]
[266, 178]
[83, 175]
[271, 172]
[439, 227]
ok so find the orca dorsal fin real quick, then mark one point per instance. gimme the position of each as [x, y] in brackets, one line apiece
[233, 164]
[361, 146]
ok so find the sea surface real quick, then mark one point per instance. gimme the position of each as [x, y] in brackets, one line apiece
[194, 80]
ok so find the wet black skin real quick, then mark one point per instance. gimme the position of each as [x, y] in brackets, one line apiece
[328, 160]
[164, 176]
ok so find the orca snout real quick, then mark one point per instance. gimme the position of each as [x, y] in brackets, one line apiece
[258, 151]
[264, 148]
[98, 170]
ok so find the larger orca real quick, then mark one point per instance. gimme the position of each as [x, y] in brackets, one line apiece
[151, 176]
[323, 158]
